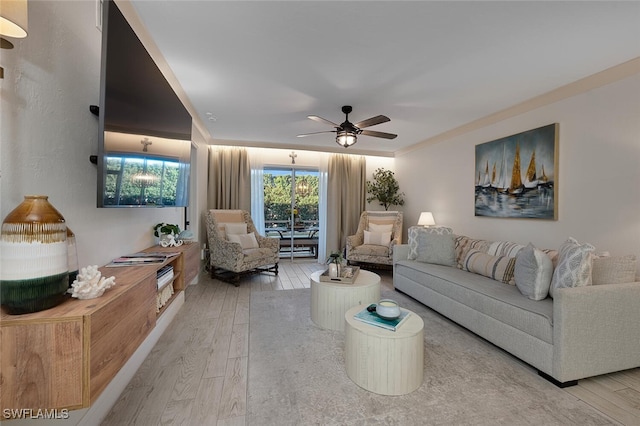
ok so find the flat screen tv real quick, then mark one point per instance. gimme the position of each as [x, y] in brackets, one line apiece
[144, 141]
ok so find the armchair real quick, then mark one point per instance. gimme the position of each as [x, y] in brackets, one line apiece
[378, 232]
[236, 248]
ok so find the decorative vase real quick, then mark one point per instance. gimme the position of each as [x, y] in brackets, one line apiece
[34, 273]
[72, 256]
[334, 270]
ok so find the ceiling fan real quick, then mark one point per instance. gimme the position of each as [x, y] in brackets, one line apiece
[347, 132]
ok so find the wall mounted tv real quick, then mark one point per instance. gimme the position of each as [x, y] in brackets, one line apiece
[144, 141]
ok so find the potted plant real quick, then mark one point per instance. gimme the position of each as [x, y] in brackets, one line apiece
[165, 228]
[384, 188]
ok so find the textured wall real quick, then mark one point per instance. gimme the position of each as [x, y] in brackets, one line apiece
[48, 133]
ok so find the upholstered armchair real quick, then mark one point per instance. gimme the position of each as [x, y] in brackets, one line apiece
[378, 232]
[236, 248]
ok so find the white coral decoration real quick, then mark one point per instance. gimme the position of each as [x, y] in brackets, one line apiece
[90, 283]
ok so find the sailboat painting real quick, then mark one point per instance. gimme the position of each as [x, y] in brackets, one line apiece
[517, 176]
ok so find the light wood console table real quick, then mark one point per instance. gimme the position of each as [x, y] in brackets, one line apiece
[64, 357]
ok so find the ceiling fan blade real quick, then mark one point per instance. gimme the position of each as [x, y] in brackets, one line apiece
[322, 120]
[315, 133]
[378, 134]
[372, 121]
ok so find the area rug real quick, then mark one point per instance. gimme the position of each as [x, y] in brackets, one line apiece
[297, 376]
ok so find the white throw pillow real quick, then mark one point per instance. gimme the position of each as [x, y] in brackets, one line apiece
[235, 229]
[377, 238]
[533, 272]
[246, 241]
[574, 266]
[374, 227]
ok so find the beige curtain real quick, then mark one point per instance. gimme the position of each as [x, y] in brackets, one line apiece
[346, 198]
[229, 185]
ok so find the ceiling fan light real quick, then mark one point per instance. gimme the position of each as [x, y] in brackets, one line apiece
[346, 139]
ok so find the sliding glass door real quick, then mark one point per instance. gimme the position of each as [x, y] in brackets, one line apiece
[291, 210]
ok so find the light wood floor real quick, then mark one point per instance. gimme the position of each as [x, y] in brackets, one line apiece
[197, 372]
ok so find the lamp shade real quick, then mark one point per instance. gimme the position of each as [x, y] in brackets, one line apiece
[346, 138]
[426, 219]
[13, 18]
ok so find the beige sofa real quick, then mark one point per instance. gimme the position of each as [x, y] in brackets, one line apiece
[581, 332]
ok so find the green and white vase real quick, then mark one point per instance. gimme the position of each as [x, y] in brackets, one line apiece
[34, 273]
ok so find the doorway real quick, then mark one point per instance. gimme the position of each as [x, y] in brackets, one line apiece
[291, 211]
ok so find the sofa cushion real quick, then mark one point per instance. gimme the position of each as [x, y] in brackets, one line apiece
[504, 248]
[502, 302]
[574, 266]
[614, 269]
[435, 248]
[377, 238]
[533, 272]
[464, 244]
[416, 231]
[499, 268]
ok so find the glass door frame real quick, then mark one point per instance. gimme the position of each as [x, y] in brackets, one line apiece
[294, 171]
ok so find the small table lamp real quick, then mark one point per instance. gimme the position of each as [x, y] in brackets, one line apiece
[426, 219]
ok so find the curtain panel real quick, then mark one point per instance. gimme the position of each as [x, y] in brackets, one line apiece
[346, 198]
[229, 185]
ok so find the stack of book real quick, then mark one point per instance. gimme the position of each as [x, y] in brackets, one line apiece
[165, 276]
[140, 259]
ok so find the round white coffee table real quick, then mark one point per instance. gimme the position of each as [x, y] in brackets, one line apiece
[384, 361]
[330, 300]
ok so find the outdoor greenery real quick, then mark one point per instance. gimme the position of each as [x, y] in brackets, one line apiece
[384, 188]
[277, 197]
[133, 181]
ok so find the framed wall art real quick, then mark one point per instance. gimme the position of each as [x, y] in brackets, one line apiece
[517, 176]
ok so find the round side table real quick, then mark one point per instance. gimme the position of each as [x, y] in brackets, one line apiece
[330, 300]
[384, 361]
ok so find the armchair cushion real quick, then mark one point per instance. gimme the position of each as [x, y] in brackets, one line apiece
[246, 241]
[377, 238]
[374, 227]
[235, 229]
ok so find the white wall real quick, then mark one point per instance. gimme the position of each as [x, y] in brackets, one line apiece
[47, 132]
[599, 175]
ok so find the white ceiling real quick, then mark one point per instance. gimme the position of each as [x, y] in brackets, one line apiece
[261, 67]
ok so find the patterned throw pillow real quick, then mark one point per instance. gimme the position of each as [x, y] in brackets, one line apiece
[436, 248]
[614, 270]
[574, 266]
[464, 244]
[533, 272]
[504, 248]
[377, 238]
[499, 268]
[415, 231]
